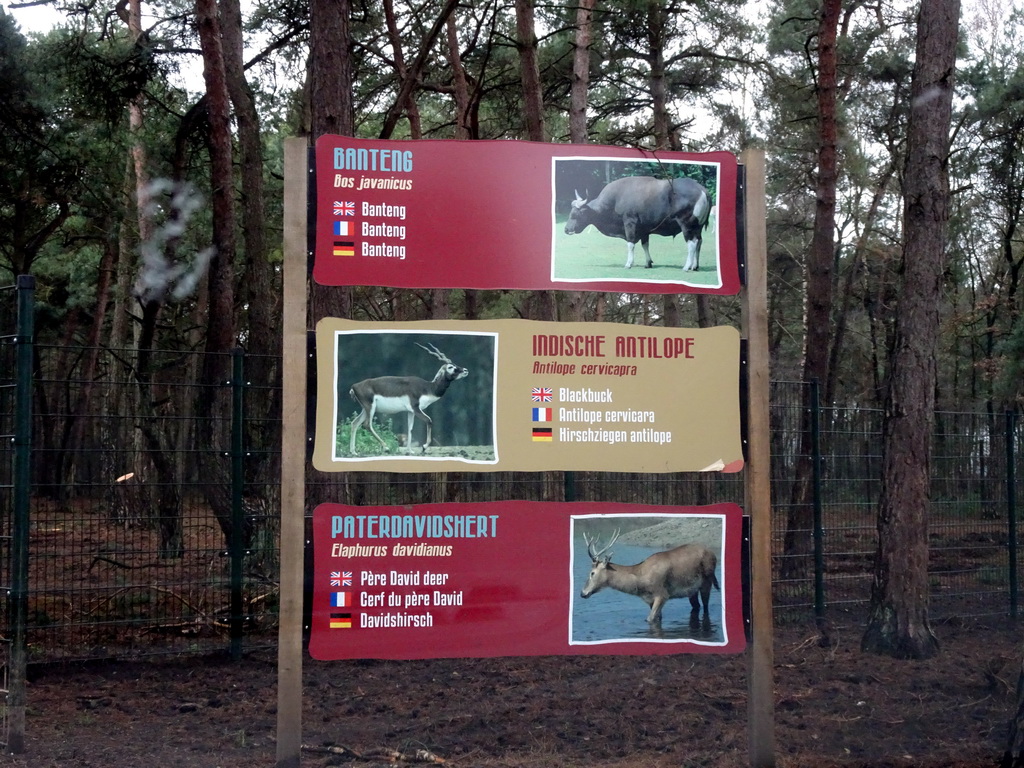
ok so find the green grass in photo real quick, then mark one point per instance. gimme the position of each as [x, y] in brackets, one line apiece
[366, 444]
[593, 256]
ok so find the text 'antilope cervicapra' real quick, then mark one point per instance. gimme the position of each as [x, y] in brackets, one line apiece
[686, 571]
[388, 395]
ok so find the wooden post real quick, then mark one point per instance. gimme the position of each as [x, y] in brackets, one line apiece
[293, 456]
[757, 488]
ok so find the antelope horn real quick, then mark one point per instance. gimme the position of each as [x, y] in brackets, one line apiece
[435, 352]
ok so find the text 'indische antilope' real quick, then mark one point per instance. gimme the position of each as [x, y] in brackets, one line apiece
[686, 571]
[387, 395]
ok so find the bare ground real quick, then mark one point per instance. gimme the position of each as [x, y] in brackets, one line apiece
[834, 707]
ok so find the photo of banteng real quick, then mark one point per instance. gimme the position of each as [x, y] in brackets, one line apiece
[388, 379]
[635, 207]
[647, 560]
[601, 202]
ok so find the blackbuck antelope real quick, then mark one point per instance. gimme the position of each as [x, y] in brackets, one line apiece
[686, 571]
[388, 395]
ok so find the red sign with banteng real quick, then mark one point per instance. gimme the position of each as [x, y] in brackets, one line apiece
[524, 215]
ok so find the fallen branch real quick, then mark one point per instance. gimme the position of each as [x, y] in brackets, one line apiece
[377, 753]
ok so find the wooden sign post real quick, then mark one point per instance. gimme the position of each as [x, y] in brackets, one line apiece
[294, 446]
[293, 456]
[757, 488]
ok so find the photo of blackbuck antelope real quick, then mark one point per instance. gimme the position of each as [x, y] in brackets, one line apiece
[388, 395]
[686, 571]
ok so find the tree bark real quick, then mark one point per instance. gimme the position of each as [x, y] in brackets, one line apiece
[412, 76]
[898, 616]
[580, 73]
[818, 285]
[573, 304]
[460, 85]
[529, 71]
[262, 296]
[260, 288]
[664, 136]
[412, 112]
[220, 332]
[211, 433]
[330, 71]
[330, 112]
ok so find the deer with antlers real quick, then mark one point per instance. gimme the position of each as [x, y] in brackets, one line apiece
[388, 395]
[686, 571]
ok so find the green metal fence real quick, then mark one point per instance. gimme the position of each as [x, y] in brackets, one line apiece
[17, 317]
[153, 524]
[154, 502]
[972, 527]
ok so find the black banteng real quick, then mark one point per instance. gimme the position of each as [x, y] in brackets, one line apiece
[636, 207]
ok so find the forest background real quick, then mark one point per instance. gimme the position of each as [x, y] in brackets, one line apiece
[146, 200]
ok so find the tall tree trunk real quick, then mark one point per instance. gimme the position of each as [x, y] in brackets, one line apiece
[573, 304]
[818, 282]
[213, 397]
[898, 615]
[330, 112]
[161, 492]
[664, 137]
[460, 85]
[220, 330]
[412, 75]
[261, 291]
[581, 73]
[75, 425]
[330, 68]
[847, 295]
[261, 294]
[411, 110]
[529, 71]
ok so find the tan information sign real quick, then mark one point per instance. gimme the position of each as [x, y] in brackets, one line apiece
[522, 395]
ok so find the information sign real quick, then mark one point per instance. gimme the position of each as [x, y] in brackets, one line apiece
[517, 578]
[527, 396]
[524, 215]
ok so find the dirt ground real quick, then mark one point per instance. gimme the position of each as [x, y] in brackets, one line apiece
[834, 706]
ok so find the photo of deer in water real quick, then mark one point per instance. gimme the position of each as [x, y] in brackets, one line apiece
[387, 380]
[647, 577]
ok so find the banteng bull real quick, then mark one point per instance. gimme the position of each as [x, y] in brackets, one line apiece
[686, 571]
[636, 207]
[402, 394]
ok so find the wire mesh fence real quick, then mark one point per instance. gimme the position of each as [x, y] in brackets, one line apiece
[133, 509]
[972, 541]
[8, 392]
[155, 502]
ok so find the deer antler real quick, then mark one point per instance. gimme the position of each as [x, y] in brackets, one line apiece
[592, 545]
[435, 352]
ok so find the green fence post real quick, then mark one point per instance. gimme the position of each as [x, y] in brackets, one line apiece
[236, 545]
[18, 605]
[1011, 508]
[819, 532]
